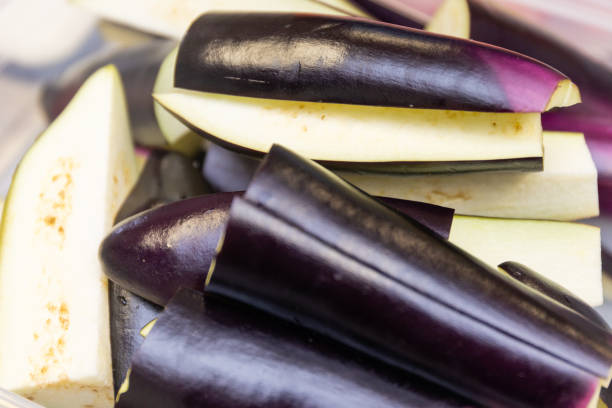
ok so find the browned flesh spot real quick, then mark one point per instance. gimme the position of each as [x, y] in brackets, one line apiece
[436, 195]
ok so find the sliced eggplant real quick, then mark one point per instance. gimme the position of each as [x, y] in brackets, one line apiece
[305, 246]
[567, 253]
[304, 57]
[171, 18]
[167, 177]
[157, 252]
[549, 288]
[216, 353]
[565, 190]
[55, 343]
[365, 138]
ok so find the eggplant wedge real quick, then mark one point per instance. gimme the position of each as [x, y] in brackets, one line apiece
[549, 288]
[159, 251]
[365, 138]
[166, 177]
[567, 253]
[305, 246]
[335, 59]
[565, 190]
[214, 353]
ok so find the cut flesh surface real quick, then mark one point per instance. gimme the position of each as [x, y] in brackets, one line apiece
[171, 18]
[178, 136]
[55, 346]
[451, 18]
[356, 133]
[565, 190]
[567, 253]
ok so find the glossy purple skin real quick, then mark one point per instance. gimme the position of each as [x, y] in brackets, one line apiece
[549, 288]
[278, 56]
[166, 177]
[155, 253]
[215, 353]
[307, 247]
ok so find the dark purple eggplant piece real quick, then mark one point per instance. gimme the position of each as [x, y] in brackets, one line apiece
[157, 252]
[541, 284]
[226, 170]
[215, 353]
[307, 247]
[166, 177]
[138, 66]
[355, 61]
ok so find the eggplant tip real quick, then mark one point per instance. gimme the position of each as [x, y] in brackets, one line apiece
[566, 94]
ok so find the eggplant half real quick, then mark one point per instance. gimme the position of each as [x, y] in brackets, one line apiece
[315, 58]
[307, 247]
[215, 353]
[166, 177]
[159, 251]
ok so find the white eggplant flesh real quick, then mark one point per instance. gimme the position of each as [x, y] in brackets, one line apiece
[54, 319]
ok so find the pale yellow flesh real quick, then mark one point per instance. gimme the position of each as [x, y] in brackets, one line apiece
[171, 18]
[567, 253]
[54, 321]
[178, 136]
[451, 18]
[144, 332]
[566, 94]
[356, 133]
[566, 189]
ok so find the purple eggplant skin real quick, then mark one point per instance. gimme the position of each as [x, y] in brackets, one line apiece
[539, 283]
[306, 247]
[403, 16]
[156, 252]
[214, 353]
[279, 56]
[166, 177]
[226, 170]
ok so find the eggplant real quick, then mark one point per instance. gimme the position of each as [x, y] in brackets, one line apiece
[166, 177]
[212, 352]
[549, 288]
[307, 247]
[345, 60]
[226, 170]
[157, 252]
[565, 190]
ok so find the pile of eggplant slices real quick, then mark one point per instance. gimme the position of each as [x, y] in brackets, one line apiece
[346, 211]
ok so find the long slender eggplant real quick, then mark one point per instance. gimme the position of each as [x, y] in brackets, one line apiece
[212, 352]
[159, 251]
[549, 288]
[306, 246]
[166, 177]
[355, 61]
